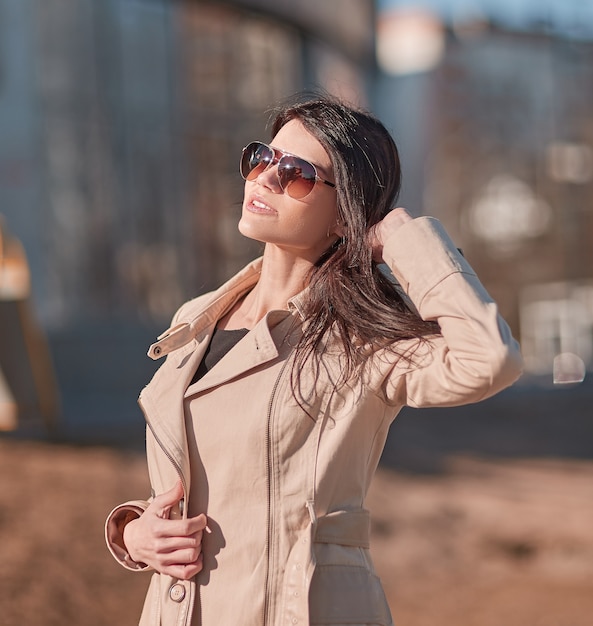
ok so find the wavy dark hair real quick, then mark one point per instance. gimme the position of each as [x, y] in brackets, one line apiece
[348, 292]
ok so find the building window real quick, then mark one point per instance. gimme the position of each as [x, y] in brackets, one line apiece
[556, 319]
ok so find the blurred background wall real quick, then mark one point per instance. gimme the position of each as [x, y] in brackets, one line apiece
[490, 103]
[121, 122]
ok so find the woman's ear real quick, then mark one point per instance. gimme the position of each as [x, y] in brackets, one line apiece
[338, 229]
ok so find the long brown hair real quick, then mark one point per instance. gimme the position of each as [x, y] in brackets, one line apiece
[348, 292]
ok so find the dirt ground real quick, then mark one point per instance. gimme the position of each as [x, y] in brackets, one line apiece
[486, 543]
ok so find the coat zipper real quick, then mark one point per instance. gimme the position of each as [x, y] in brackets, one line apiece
[266, 607]
[166, 452]
[182, 505]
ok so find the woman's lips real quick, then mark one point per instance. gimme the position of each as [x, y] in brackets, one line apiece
[255, 205]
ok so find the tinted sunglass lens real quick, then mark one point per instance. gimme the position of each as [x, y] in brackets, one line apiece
[254, 160]
[297, 176]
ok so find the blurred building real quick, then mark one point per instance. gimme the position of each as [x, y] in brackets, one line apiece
[498, 132]
[122, 123]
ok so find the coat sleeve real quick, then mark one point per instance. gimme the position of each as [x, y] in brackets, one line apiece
[475, 356]
[114, 532]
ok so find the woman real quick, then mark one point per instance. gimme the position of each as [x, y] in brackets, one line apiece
[268, 417]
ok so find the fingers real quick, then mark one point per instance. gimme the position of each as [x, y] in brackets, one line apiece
[182, 563]
[182, 527]
[179, 556]
[380, 232]
[184, 571]
[170, 546]
[149, 540]
[164, 502]
[184, 556]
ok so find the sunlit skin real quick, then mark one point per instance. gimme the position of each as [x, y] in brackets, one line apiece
[295, 234]
[297, 230]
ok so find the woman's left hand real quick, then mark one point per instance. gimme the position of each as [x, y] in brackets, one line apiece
[381, 231]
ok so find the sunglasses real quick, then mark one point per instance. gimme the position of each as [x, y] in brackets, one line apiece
[296, 176]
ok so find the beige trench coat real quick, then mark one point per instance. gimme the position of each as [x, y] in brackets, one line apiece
[284, 490]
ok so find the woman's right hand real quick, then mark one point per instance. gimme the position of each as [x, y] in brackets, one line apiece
[381, 231]
[170, 546]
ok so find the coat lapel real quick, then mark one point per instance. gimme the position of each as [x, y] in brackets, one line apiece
[258, 347]
[185, 345]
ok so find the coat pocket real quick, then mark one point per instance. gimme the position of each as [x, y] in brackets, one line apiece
[347, 595]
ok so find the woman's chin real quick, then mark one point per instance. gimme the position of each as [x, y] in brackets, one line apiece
[248, 230]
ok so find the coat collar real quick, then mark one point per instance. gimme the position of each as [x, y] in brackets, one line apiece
[185, 342]
[197, 319]
[199, 323]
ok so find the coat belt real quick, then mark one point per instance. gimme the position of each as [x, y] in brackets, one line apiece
[346, 528]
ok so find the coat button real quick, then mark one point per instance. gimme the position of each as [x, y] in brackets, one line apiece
[177, 592]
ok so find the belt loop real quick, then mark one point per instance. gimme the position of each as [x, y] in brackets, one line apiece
[311, 509]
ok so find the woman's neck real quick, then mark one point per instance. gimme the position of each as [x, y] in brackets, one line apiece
[282, 277]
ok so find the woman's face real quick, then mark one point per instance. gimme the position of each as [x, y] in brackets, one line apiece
[305, 227]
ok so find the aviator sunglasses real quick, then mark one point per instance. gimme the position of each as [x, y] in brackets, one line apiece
[296, 176]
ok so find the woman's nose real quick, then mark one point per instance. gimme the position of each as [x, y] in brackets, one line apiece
[269, 179]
